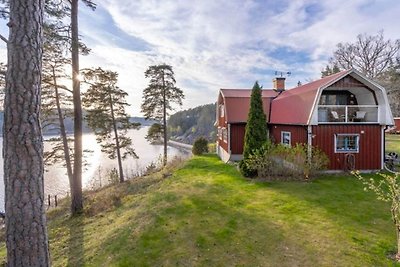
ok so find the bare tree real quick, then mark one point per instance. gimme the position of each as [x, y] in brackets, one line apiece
[26, 237]
[370, 54]
[376, 57]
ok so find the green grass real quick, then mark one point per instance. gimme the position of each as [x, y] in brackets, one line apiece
[206, 214]
[392, 143]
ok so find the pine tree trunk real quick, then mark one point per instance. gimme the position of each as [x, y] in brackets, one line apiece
[26, 234]
[76, 187]
[121, 172]
[63, 133]
[164, 122]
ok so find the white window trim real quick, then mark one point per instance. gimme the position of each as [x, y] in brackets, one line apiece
[290, 138]
[221, 111]
[347, 151]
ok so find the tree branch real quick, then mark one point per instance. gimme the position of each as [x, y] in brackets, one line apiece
[4, 39]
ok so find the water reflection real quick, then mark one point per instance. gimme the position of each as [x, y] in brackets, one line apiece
[56, 179]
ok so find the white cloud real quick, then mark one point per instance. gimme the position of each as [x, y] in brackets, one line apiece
[213, 44]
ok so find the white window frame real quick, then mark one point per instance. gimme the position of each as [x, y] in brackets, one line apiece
[357, 150]
[282, 138]
[221, 111]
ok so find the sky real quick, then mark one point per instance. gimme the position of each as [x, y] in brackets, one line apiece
[215, 44]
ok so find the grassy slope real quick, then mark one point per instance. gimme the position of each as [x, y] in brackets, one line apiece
[206, 214]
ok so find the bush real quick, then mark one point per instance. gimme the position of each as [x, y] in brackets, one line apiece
[212, 148]
[279, 162]
[200, 146]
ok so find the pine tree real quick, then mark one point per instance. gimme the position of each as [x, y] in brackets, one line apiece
[256, 128]
[26, 234]
[56, 101]
[154, 134]
[158, 97]
[106, 115]
[76, 192]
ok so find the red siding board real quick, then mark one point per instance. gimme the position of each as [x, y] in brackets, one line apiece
[237, 138]
[369, 156]
[298, 133]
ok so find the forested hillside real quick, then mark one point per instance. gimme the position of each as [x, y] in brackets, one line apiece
[187, 125]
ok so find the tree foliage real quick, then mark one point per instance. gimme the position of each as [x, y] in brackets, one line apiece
[155, 133]
[386, 188]
[329, 70]
[256, 129]
[200, 146]
[159, 96]
[374, 56]
[188, 125]
[106, 114]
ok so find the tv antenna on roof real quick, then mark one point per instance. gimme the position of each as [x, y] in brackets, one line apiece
[282, 73]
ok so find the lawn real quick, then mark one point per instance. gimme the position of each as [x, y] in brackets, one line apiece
[206, 214]
[392, 143]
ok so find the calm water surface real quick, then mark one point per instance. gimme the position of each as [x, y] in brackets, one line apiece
[98, 164]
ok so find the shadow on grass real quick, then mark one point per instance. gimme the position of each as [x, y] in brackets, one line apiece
[76, 242]
[205, 228]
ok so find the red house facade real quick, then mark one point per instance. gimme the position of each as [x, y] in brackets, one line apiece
[344, 114]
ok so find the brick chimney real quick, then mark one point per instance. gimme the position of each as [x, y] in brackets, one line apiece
[279, 84]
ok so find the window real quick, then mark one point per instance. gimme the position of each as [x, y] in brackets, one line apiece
[225, 135]
[219, 132]
[221, 111]
[346, 143]
[286, 138]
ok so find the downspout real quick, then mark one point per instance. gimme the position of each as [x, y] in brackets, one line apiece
[309, 143]
[229, 139]
[383, 146]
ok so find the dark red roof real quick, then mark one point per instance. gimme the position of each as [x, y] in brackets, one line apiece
[237, 103]
[294, 106]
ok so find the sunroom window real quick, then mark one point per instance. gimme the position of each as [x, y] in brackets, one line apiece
[346, 143]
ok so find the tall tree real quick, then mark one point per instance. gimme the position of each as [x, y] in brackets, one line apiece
[26, 237]
[56, 101]
[329, 70]
[159, 96]
[106, 115]
[76, 192]
[377, 58]
[76, 186]
[372, 55]
[256, 129]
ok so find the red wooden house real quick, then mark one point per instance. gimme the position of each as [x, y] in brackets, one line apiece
[344, 114]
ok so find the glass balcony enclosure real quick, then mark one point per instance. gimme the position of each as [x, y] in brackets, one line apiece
[348, 113]
[348, 106]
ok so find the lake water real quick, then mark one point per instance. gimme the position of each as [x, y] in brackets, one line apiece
[98, 164]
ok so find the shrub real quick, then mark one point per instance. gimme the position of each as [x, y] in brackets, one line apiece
[200, 146]
[286, 163]
[212, 148]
